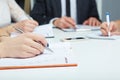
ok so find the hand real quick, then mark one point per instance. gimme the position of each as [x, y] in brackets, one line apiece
[23, 46]
[114, 29]
[92, 22]
[26, 25]
[64, 22]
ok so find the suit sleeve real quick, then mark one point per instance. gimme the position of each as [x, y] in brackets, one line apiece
[39, 12]
[93, 10]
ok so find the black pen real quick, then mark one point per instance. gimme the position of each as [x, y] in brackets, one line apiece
[46, 47]
[74, 38]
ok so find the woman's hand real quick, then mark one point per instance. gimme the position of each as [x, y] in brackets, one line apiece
[26, 25]
[23, 46]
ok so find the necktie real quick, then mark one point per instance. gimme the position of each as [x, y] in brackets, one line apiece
[27, 6]
[68, 8]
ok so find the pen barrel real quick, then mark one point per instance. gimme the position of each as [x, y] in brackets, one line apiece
[108, 21]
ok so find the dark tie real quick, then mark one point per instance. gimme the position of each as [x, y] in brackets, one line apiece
[68, 8]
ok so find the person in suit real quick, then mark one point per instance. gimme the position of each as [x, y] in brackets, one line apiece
[58, 13]
[114, 28]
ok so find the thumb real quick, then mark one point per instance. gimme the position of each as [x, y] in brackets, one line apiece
[85, 22]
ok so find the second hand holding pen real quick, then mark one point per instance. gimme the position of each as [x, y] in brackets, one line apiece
[46, 47]
[108, 22]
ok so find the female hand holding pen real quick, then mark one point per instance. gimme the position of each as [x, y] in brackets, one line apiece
[114, 28]
[26, 25]
[22, 46]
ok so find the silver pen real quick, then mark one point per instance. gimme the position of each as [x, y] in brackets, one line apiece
[108, 22]
[46, 47]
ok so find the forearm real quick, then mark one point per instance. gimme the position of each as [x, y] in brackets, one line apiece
[16, 11]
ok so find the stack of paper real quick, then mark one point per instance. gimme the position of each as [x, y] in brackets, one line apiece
[45, 30]
[61, 57]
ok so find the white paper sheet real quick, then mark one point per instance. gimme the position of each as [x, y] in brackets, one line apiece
[61, 52]
[45, 30]
[98, 35]
[82, 28]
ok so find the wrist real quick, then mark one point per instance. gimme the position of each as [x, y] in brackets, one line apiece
[55, 22]
[52, 22]
[10, 29]
[4, 33]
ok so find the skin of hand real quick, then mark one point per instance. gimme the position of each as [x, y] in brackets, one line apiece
[92, 21]
[26, 25]
[23, 46]
[64, 22]
[114, 28]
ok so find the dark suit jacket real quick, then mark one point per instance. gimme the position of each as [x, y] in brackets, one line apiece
[45, 10]
[21, 3]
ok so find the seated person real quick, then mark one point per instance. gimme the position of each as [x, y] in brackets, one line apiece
[114, 28]
[54, 11]
[10, 9]
[23, 46]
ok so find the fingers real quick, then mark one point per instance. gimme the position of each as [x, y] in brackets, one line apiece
[112, 28]
[70, 21]
[92, 22]
[33, 22]
[29, 46]
[37, 38]
[27, 25]
[104, 29]
[85, 22]
[35, 46]
[65, 22]
[30, 51]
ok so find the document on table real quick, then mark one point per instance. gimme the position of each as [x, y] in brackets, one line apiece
[62, 57]
[45, 30]
[98, 35]
[82, 28]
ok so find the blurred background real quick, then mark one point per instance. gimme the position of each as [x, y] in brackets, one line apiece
[104, 6]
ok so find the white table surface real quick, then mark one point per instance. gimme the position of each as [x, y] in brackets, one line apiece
[97, 60]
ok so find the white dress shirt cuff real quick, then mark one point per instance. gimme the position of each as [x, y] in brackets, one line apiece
[51, 22]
